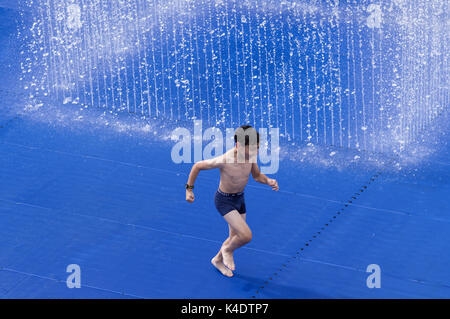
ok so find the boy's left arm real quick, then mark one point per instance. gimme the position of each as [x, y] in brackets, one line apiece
[263, 179]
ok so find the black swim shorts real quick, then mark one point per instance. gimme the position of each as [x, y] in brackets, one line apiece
[227, 202]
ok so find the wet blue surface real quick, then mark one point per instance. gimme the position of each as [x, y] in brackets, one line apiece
[113, 203]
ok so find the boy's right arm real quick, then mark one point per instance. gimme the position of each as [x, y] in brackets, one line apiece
[200, 166]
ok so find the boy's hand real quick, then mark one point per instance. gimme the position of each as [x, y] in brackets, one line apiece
[273, 183]
[190, 196]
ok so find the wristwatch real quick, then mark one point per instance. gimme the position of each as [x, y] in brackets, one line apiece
[189, 186]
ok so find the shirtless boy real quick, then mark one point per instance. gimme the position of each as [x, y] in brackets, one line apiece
[235, 167]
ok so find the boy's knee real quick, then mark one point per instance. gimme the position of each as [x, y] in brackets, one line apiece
[246, 237]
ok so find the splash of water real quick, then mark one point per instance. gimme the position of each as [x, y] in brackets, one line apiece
[365, 75]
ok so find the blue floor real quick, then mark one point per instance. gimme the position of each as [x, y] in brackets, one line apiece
[113, 203]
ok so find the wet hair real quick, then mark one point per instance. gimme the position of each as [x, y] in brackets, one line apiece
[246, 131]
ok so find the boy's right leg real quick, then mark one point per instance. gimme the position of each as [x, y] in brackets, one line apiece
[243, 236]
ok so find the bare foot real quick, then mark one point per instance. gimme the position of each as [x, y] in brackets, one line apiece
[221, 267]
[228, 260]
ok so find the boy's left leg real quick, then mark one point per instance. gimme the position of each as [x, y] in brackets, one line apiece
[217, 261]
[243, 236]
[231, 234]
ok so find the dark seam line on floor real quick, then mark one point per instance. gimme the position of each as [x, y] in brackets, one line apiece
[307, 244]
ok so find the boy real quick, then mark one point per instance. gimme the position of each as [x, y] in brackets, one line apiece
[235, 167]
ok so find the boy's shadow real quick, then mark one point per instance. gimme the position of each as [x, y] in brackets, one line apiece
[274, 290]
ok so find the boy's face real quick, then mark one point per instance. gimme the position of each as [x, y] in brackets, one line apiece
[250, 152]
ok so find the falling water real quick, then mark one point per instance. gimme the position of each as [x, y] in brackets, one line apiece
[370, 75]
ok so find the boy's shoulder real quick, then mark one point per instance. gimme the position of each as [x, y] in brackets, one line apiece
[225, 158]
[217, 161]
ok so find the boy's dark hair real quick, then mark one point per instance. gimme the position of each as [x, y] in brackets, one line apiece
[245, 131]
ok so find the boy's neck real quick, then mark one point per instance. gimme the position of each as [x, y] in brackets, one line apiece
[235, 157]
